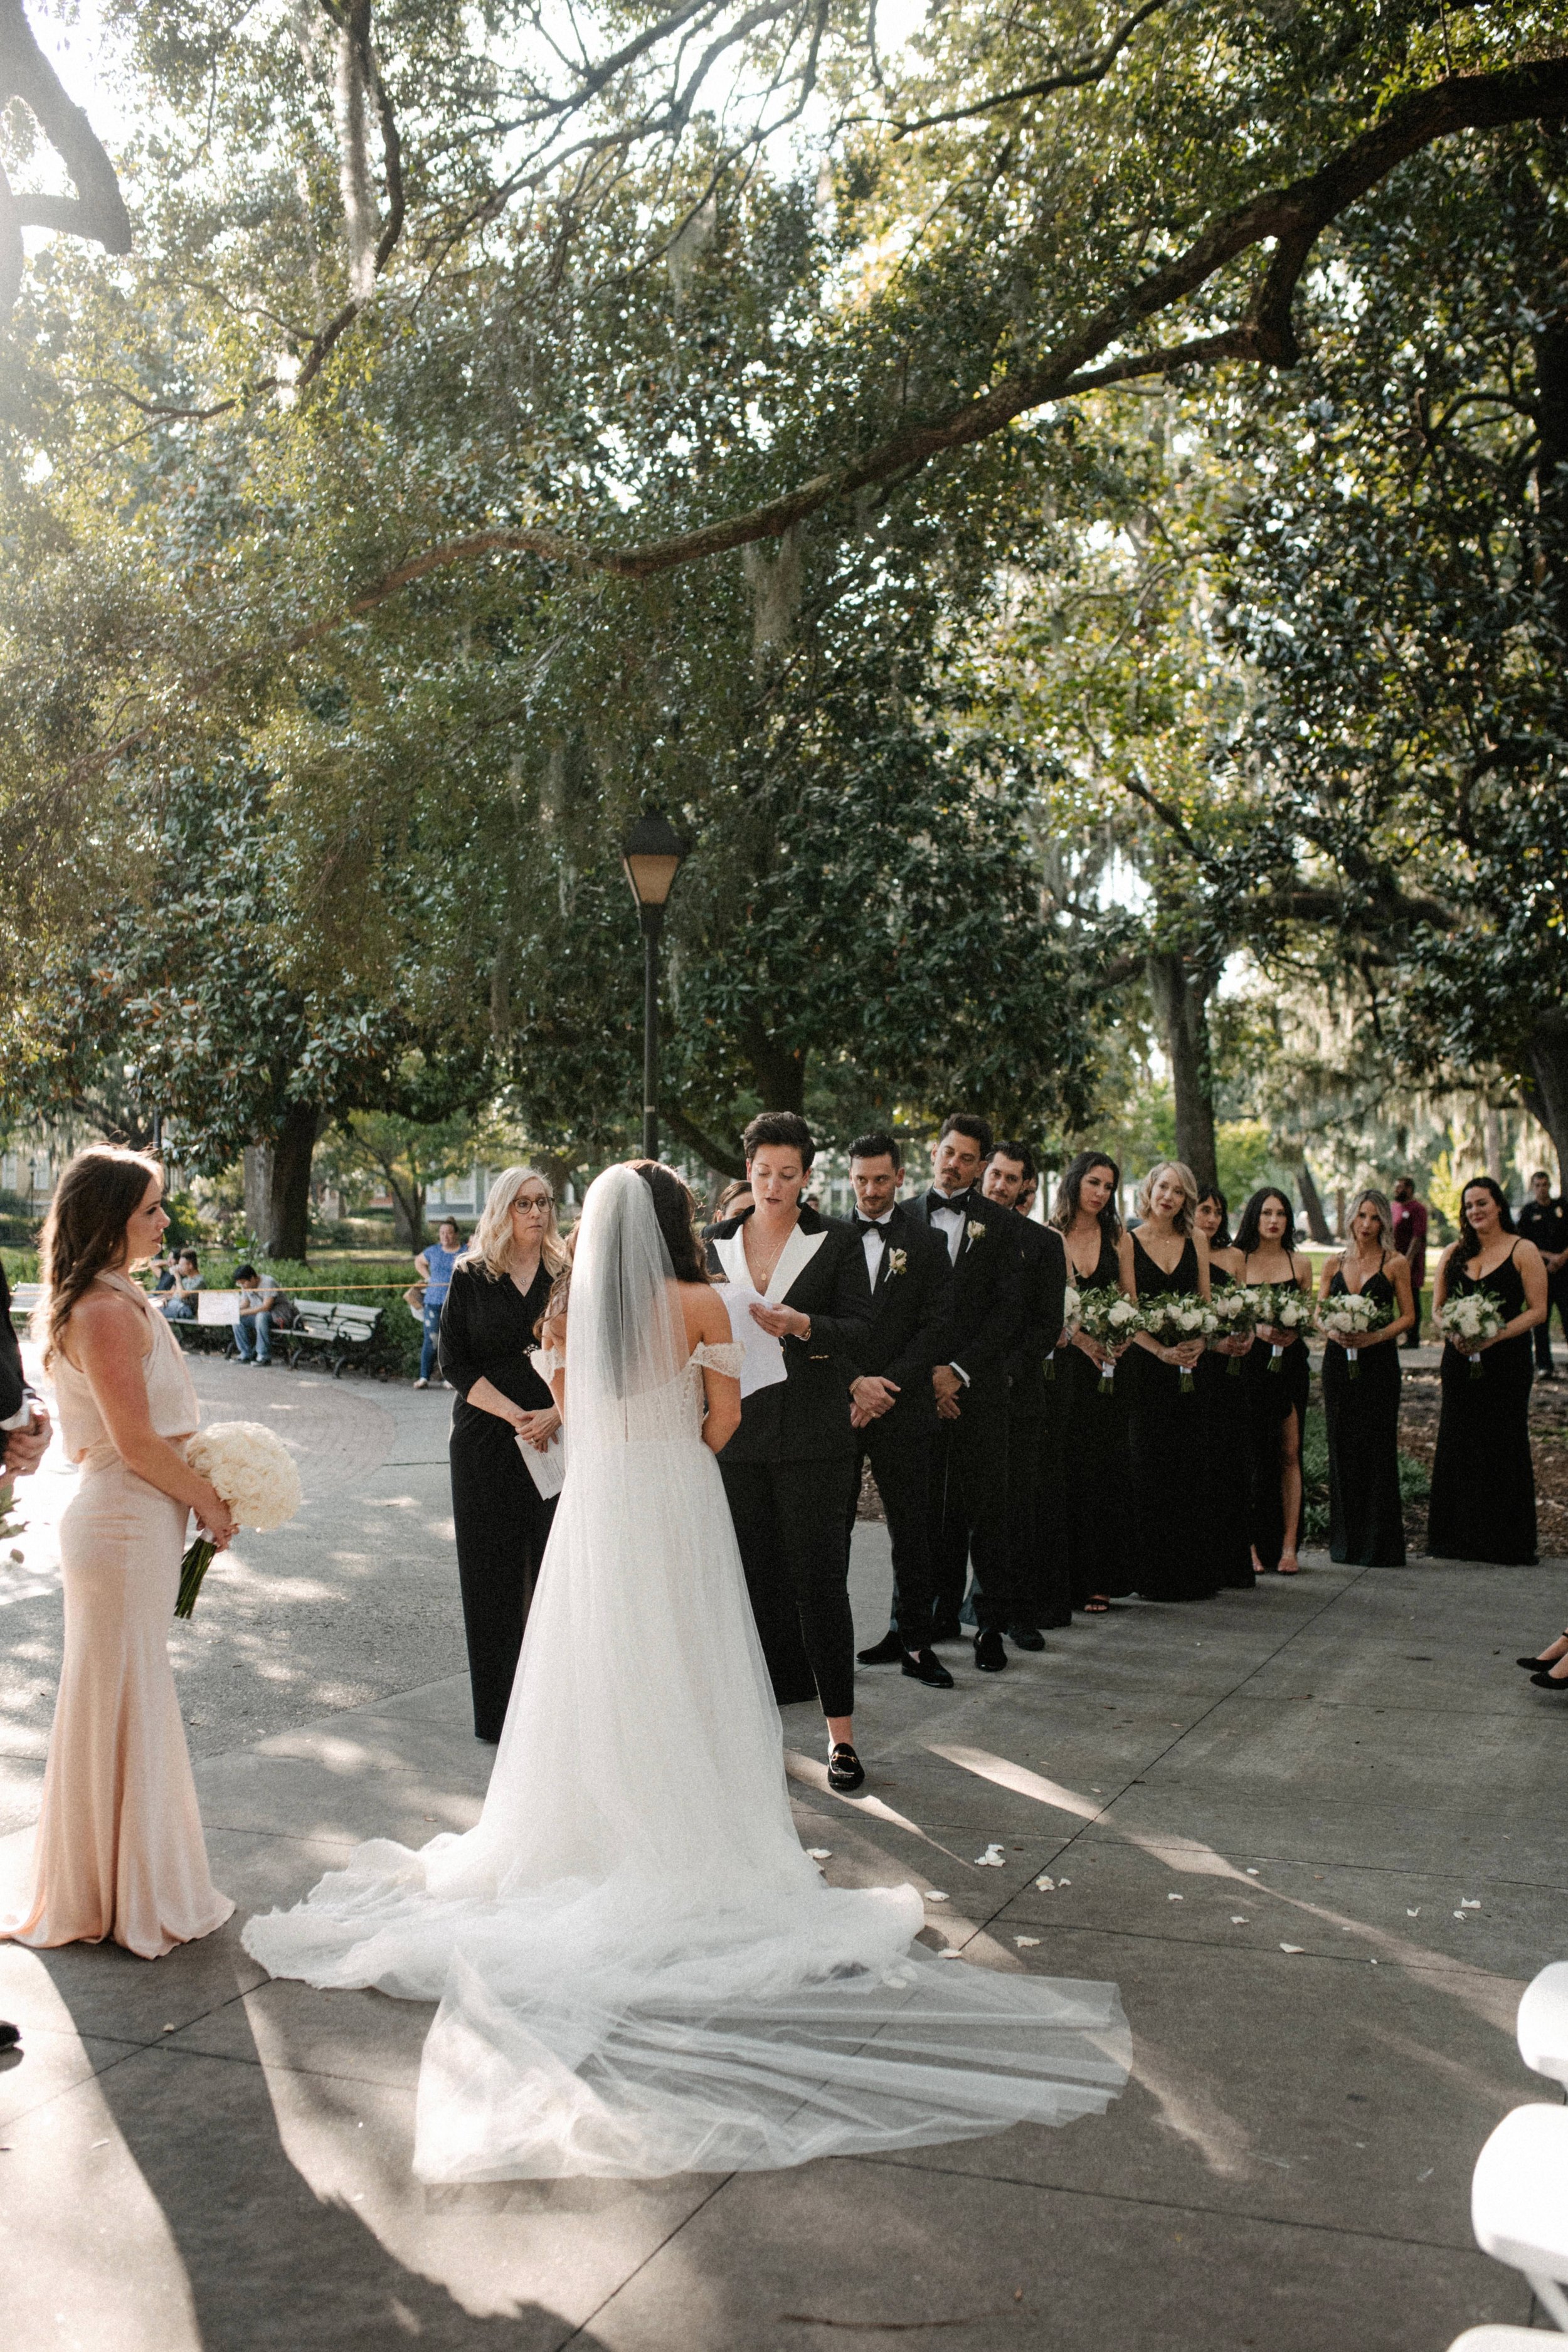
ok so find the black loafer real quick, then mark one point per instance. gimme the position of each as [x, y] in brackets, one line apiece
[846, 1773]
[921, 1666]
[1026, 1637]
[989, 1655]
[885, 1652]
[10, 2035]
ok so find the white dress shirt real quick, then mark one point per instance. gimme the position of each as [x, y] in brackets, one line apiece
[874, 1243]
[952, 1223]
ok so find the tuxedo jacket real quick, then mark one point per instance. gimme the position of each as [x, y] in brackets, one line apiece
[1043, 1283]
[821, 1272]
[911, 1317]
[12, 1385]
[987, 1293]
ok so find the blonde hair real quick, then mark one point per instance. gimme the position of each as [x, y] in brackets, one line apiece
[490, 1247]
[1184, 1178]
[84, 1232]
[1385, 1216]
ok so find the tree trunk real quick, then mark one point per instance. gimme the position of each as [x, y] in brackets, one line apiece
[1548, 1098]
[257, 1167]
[289, 1194]
[361, 227]
[1317, 1223]
[779, 1072]
[407, 1210]
[1181, 994]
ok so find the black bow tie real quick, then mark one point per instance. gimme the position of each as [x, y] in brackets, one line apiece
[871, 1225]
[949, 1200]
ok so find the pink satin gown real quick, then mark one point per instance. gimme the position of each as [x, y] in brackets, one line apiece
[119, 1850]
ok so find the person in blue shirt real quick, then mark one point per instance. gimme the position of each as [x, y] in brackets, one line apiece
[434, 1266]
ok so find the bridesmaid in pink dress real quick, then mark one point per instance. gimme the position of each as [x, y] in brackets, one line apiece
[118, 1850]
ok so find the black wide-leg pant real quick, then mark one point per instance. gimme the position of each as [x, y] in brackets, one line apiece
[968, 1493]
[900, 1464]
[502, 1525]
[789, 1524]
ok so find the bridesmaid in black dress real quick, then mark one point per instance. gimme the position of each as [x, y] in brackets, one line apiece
[1097, 1471]
[1226, 1436]
[1276, 1385]
[1483, 1480]
[1163, 1258]
[1366, 1520]
[500, 1288]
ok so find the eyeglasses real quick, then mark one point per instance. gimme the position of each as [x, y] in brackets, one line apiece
[531, 1208]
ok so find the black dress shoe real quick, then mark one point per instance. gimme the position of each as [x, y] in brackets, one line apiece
[989, 1655]
[845, 1771]
[924, 1667]
[9, 2035]
[1026, 1637]
[947, 1629]
[885, 1652]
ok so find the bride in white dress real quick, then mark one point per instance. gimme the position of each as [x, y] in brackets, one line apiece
[639, 1970]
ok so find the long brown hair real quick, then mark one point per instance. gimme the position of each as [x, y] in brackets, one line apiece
[84, 1232]
[676, 1209]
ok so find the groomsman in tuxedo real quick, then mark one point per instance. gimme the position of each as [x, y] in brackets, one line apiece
[969, 1459]
[1034, 1483]
[892, 1407]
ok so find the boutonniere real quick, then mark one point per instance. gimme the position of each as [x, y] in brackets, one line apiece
[976, 1230]
[897, 1261]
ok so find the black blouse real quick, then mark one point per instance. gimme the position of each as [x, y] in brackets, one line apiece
[487, 1333]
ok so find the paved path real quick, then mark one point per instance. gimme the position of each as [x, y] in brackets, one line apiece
[193, 2156]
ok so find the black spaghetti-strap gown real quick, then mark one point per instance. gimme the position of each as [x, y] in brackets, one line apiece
[1226, 1441]
[1096, 1475]
[1170, 1515]
[1366, 1522]
[1483, 1479]
[1274, 1396]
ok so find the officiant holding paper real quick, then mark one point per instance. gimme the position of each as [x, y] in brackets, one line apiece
[799, 1299]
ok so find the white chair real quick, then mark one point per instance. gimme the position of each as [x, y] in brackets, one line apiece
[1497, 2339]
[1519, 2201]
[1544, 2022]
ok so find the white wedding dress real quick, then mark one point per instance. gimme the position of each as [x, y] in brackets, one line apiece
[639, 1970]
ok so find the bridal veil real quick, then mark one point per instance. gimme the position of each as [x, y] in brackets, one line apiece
[639, 1970]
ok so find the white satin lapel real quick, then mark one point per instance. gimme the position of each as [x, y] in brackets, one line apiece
[731, 1251]
[793, 1259]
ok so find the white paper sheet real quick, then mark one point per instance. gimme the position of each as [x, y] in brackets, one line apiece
[764, 1365]
[547, 1470]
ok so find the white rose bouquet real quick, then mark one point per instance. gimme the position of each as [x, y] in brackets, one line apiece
[1468, 1321]
[1169, 1319]
[253, 1472]
[1349, 1316]
[1069, 1323]
[1280, 1306]
[1235, 1316]
[1111, 1319]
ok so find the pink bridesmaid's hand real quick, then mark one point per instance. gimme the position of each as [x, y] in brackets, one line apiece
[216, 1521]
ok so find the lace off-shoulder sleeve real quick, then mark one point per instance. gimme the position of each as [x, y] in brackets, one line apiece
[726, 1356]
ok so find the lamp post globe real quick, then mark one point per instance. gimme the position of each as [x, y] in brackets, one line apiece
[651, 854]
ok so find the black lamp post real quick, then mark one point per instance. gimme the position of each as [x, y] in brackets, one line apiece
[651, 854]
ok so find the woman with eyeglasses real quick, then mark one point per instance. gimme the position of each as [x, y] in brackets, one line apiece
[500, 1289]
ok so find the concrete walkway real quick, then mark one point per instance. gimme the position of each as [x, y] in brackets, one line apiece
[193, 2156]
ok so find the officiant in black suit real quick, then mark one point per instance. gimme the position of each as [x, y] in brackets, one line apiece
[891, 1405]
[788, 1469]
[1033, 1468]
[969, 1461]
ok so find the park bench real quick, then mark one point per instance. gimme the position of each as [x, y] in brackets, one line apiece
[319, 1324]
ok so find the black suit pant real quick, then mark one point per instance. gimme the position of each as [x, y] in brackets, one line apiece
[1035, 1521]
[1556, 1296]
[968, 1514]
[899, 1454]
[789, 1524]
